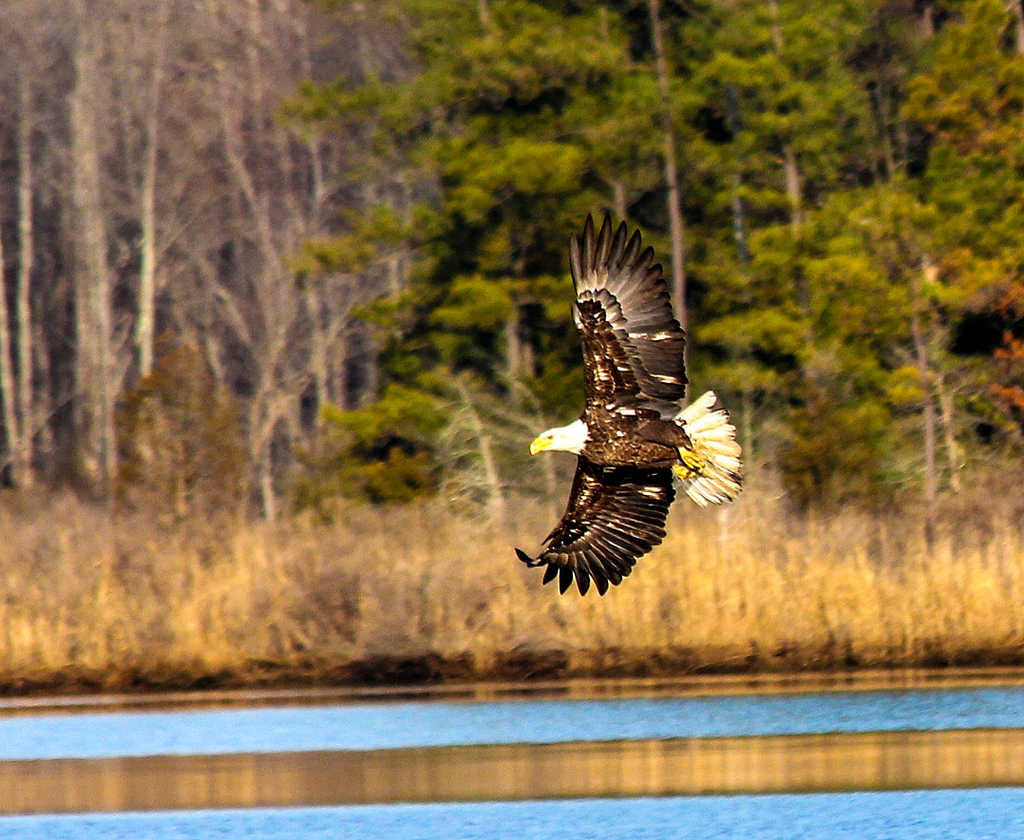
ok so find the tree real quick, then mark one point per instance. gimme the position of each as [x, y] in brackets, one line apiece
[181, 443]
[970, 101]
[487, 122]
[400, 221]
[97, 368]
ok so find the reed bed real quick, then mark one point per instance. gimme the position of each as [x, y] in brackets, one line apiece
[93, 600]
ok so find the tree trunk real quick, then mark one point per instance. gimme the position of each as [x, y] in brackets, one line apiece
[882, 102]
[675, 208]
[791, 169]
[23, 296]
[926, 21]
[318, 368]
[773, 5]
[7, 388]
[1015, 9]
[45, 405]
[513, 347]
[272, 297]
[948, 434]
[146, 316]
[743, 257]
[739, 224]
[94, 358]
[619, 199]
[942, 395]
[793, 190]
[928, 418]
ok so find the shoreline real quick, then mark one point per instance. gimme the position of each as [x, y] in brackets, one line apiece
[287, 690]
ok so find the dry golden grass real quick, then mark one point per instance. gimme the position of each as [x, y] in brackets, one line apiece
[95, 601]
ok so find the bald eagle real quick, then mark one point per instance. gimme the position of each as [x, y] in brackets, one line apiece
[635, 439]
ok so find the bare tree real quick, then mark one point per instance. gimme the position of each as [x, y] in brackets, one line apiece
[10, 419]
[158, 193]
[146, 309]
[272, 328]
[95, 368]
[16, 325]
[23, 456]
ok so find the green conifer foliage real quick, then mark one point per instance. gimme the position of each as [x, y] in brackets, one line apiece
[851, 185]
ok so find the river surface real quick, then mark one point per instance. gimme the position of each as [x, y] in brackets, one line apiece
[803, 765]
[989, 814]
[390, 725]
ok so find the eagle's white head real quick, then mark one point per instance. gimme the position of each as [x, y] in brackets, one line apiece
[569, 438]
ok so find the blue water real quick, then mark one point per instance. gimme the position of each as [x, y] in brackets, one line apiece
[389, 725]
[990, 814]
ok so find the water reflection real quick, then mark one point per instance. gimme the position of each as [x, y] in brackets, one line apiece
[789, 763]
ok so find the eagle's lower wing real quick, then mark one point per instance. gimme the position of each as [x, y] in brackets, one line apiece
[617, 285]
[614, 516]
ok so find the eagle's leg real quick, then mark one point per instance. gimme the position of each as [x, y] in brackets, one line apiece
[692, 464]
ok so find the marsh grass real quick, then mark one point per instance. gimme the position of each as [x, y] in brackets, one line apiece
[96, 601]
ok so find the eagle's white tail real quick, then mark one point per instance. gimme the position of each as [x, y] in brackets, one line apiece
[710, 474]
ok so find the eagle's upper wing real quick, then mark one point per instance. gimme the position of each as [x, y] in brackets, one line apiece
[614, 516]
[632, 344]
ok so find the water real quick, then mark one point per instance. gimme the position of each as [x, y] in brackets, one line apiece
[284, 772]
[424, 724]
[988, 814]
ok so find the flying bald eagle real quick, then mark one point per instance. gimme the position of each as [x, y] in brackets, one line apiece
[633, 440]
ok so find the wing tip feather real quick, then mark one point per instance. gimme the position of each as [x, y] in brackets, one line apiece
[575, 265]
[587, 256]
[526, 558]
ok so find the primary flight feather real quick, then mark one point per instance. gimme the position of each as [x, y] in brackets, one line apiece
[634, 438]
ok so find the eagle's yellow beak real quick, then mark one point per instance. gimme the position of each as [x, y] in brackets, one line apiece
[541, 443]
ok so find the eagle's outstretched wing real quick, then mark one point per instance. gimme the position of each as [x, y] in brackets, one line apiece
[614, 516]
[632, 343]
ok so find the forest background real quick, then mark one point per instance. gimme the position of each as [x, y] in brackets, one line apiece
[286, 299]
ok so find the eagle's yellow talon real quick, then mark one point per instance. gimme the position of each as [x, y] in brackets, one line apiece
[692, 464]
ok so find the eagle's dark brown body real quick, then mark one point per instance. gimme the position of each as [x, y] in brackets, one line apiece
[633, 442]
